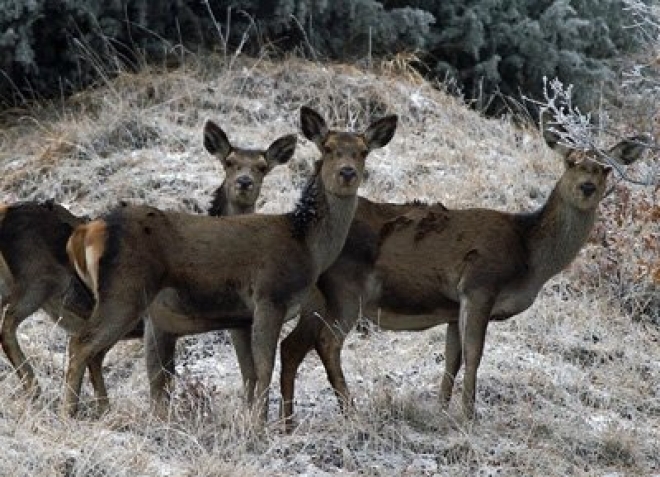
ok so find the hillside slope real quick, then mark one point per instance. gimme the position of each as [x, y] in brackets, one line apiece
[570, 387]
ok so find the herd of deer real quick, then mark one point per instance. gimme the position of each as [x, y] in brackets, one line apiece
[144, 272]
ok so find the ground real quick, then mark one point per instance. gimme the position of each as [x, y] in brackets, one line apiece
[570, 387]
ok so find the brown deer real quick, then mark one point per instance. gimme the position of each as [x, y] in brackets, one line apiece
[235, 271]
[433, 265]
[35, 271]
[245, 171]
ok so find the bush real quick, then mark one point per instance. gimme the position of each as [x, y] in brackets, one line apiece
[51, 47]
[508, 46]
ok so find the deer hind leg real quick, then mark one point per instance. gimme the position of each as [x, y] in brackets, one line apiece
[95, 368]
[268, 320]
[453, 356]
[107, 325]
[20, 304]
[473, 322]
[241, 338]
[160, 348]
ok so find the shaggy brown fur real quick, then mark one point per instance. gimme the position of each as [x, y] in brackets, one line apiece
[219, 267]
[461, 267]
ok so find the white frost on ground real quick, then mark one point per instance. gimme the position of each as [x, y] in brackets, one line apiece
[570, 387]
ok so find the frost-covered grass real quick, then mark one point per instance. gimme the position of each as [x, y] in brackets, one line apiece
[570, 387]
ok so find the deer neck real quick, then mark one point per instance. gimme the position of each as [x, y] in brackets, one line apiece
[556, 234]
[223, 206]
[322, 220]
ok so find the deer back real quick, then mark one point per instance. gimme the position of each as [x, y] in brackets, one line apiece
[33, 237]
[426, 256]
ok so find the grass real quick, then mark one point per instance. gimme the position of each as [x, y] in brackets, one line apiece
[570, 387]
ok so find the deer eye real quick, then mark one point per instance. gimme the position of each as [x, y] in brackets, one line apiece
[230, 163]
[262, 168]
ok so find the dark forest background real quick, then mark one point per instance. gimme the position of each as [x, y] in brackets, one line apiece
[483, 49]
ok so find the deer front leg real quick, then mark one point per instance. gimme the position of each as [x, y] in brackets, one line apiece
[293, 350]
[241, 338]
[473, 322]
[453, 358]
[268, 320]
[343, 305]
[159, 348]
[328, 346]
[295, 347]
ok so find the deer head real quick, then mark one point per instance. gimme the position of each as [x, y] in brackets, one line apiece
[343, 154]
[585, 176]
[245, 169]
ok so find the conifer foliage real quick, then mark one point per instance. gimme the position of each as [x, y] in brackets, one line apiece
[484, 46]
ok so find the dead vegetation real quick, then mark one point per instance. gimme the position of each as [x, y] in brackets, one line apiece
[572, 385]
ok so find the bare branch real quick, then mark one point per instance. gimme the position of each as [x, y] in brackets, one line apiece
[565, 127]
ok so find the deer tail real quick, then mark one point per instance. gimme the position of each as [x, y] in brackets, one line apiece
[85, 248]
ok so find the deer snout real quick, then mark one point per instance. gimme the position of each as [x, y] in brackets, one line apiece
[588, 188]
[348, 173]
[244, 182]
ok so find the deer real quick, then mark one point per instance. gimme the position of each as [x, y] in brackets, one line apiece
[246, 169]
[430, 265]
[35, 272]
[251, 270]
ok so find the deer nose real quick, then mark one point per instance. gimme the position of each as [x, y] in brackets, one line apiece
[244, 182]
[348, 173]
[588, 188]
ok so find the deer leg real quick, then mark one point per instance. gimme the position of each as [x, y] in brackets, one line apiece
[241, 338]
[293, 350]
[343, 305]
[17, 307]
[328, 345]
[95, 368]
[107, 325]
[160, 348]
[473, 322]
[342, 309]
[453, 358]
[268, 320]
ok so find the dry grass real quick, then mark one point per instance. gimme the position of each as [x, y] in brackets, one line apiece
[571, 387]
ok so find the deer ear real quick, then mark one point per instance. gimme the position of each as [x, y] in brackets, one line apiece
[381, 132]
[629, 150]
[553, 140]
[569, 159]
[215, 140]
[281, 150]
[313, 125]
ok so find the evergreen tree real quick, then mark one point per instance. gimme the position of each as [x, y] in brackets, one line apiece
[486, 46]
